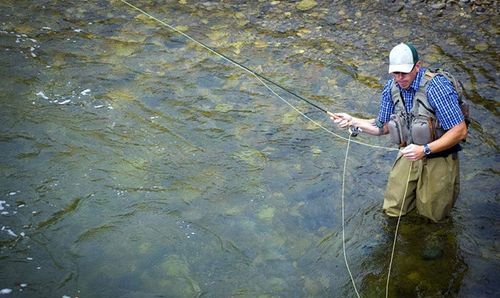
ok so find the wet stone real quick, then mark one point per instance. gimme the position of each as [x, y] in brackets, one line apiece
[267, 213]
[306, 4]
[439, 5]
[432, 253]
[433, 248]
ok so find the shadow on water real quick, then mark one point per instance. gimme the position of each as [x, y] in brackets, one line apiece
[427, 262]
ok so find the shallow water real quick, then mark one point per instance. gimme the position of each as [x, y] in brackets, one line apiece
[135, 163]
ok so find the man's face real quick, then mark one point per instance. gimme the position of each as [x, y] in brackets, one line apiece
[404, 80]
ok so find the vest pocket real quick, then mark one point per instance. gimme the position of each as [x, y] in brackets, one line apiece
[397, 130]
[422, 131]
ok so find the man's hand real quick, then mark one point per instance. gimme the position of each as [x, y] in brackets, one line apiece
[341, 119]
[344, 120]
[413, 152]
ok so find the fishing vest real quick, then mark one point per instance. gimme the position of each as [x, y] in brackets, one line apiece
[420, 126]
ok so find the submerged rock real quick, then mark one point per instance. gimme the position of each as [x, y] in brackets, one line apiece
[432, 252]
[306, 4]
[267, 213]
[433, 247]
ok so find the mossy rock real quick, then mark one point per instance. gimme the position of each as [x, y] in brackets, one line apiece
[306, 4]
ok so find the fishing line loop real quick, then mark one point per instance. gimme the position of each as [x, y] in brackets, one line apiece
[343, 216]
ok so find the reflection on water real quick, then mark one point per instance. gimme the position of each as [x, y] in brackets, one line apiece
[137, 164]
[427, 263]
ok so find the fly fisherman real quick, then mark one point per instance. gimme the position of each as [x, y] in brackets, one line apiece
[421, 112]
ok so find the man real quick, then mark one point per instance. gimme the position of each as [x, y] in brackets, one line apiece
[420, 111]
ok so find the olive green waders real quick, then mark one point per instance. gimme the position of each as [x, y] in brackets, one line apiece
[433, 186]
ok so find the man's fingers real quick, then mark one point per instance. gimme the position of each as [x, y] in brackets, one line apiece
[332, 115]
[340, 119]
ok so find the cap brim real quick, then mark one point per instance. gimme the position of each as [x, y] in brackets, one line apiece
[406, 68]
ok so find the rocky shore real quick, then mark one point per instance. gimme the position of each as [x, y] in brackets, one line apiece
[489, 7]
[436, 7]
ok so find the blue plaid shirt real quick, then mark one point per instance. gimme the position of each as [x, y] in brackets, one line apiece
[441, 96]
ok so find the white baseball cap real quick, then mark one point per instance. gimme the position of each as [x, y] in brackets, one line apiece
[402, 58]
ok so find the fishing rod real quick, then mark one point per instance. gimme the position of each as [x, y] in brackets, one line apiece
[353, 131]
[277, 85]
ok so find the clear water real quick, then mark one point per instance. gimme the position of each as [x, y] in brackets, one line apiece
[137, 164]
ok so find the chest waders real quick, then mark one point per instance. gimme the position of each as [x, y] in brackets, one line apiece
[420, 125]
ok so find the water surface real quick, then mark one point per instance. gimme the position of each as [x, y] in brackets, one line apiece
[135, 163]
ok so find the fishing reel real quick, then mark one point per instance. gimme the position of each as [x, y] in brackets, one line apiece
[354, 131]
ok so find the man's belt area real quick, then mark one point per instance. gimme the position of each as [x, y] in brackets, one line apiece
[453, 150]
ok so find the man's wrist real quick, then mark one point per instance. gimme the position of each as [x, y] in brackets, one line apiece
[352, 122]
[377, 123]
[427, 150]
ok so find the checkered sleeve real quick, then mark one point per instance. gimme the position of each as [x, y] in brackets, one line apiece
[386, 104]
[444, 99]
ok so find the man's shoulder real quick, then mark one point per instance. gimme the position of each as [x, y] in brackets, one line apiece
[440, 89]
[439, 81]
[436, 78]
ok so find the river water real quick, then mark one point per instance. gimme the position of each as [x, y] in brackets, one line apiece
[135, 163]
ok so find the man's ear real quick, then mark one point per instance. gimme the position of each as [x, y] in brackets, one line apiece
[418, 64]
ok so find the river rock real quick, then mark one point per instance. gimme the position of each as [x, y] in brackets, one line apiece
[306, 4]
[433, 248]
[439, 5]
